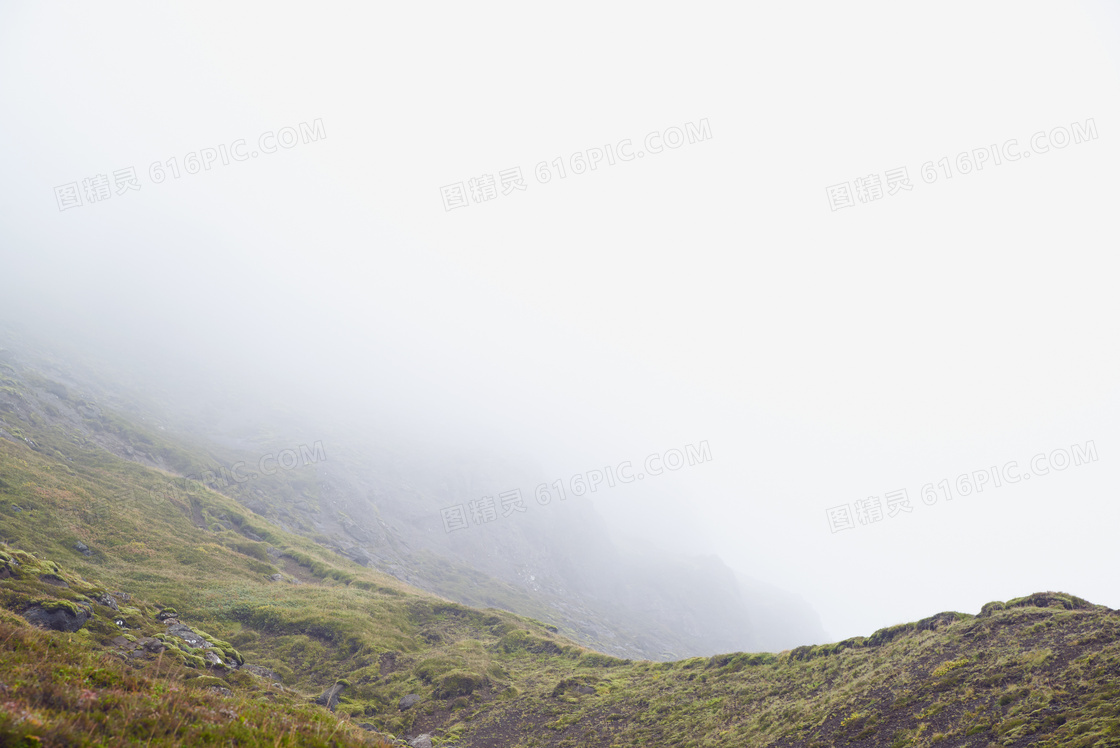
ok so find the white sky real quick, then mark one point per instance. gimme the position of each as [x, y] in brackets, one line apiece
[703, 293]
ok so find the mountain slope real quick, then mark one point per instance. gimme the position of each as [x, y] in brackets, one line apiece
[376, 499]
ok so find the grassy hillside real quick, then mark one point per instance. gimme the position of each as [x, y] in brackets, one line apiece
[95, 546]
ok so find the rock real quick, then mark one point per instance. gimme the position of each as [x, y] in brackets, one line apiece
[221, 689]
[261, 672]
[16, 508]
[421, 741]
[253, 536]
[358, 556]
[276, 577]
[54, 580]
[330, 697]
[124, 597]
[107, 600]
[257, 507]
[167, 613]
[585, 690]
[155, 646]
[213, 660]
[358, 533]
[408, 701]
[62, 617]
[274, 553]
[187, 634]
[82, 548]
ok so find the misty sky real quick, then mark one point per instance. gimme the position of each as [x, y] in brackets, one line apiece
[829, 346]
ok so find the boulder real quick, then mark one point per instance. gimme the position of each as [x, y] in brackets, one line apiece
[82, 548]
[151, 644]
[187, 634]
[408, 701]
[57, 616]
[329, 698]
[54, 580]
[261, 672]
[421, 741]
[107, 600]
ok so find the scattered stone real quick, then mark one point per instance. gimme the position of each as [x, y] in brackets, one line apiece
[408, 701]
[54, 580]
[67, 618]
[82, 548]
[329, 698]
[261, 672]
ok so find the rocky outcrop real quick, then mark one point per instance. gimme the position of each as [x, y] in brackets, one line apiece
[57, 616]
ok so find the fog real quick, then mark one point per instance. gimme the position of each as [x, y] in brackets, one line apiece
[826, 345]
